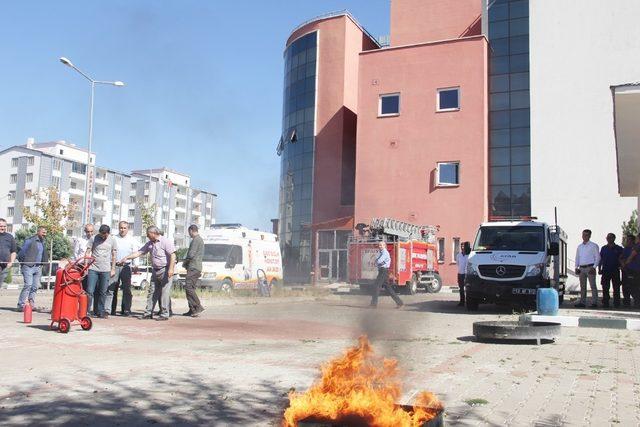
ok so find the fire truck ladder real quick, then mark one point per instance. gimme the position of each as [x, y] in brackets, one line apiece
[404, 230]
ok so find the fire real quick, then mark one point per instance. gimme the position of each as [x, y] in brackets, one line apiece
[359, 386]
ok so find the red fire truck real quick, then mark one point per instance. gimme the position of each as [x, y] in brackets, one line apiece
[412, 249]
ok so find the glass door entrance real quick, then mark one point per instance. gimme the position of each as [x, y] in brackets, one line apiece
[332, 255]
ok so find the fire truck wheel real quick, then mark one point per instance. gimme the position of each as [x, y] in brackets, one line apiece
[64, 326]
[472, 304]
[412, 286]
[435, 285]
[86, 323]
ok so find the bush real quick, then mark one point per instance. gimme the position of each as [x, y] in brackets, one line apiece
[61, 244]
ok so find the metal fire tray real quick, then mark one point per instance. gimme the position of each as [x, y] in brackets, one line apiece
[504, 330]
[356, 421]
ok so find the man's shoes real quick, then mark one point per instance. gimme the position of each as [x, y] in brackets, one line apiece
[147, 317]
[461, 304]
[104, 316]
[198, 311]
[188, 313]
[162, 318]
[605, 305]
[579, 305]
[125, 313]
[399, 306]
[593, 306]
[20, 309]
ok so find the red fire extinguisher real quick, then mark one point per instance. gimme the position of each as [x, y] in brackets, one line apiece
[82, 305]
[27, 313]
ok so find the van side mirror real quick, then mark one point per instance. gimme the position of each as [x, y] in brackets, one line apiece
[554, 249]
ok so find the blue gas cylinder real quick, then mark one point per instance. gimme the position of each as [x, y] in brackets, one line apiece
[547, 301]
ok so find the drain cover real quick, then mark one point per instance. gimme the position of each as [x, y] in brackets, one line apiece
[514, 330]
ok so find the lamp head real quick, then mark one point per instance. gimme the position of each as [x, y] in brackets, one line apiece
[66, 61]
[118, 83]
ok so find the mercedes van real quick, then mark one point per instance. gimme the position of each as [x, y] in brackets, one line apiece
[510, 260]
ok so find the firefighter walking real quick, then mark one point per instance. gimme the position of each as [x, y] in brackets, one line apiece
[383, 262]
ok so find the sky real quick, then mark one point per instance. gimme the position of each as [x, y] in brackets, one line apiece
[203, 90]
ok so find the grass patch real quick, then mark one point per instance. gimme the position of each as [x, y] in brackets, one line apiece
[476, 402]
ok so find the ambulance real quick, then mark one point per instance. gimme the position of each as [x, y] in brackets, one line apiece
[234, 257]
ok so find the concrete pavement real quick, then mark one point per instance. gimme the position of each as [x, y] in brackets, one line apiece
[235, 365]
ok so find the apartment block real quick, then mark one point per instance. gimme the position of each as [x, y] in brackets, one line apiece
[116, 196]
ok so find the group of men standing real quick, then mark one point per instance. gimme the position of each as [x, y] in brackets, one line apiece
[113, 261]
[619, 268]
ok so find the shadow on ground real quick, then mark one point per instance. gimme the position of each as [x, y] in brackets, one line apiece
[451, 307]
[169, 402]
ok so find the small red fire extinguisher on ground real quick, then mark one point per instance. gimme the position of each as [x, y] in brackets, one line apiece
[27, 313]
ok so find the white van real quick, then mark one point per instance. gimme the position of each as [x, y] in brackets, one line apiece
[510, 260]
[234, 254]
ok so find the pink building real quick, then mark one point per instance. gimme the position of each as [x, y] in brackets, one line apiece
[399, 131]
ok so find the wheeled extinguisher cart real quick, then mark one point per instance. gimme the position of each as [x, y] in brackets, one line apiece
[69, 299]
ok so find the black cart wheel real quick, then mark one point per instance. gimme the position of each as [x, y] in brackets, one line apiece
[64, 326]
[86, 323]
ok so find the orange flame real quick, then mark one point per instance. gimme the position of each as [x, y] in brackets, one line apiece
[359, 386]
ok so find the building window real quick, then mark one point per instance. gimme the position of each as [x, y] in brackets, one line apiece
[57, 164]
[389, 105]
[132, 213]
[29, 177]
[117, 194]
[12, 195]
[61, 152]
[448, 174]
[10, 211]
[441, 250]
[13, 178]
[78, 168]
[31, 161]
[449, 99]
[14, 162]
[55, 181]
[455, 248]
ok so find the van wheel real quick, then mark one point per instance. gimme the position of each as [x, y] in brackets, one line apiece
[226, 286]
[472, 304]
[435, 285]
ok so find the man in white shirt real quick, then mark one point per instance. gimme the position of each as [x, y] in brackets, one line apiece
[461, 259]
[80, 243]
[80, 247]
[126, 244]
[587, 259]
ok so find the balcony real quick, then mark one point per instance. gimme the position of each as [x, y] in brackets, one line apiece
[181, 196]
[180, 209]
[76, 192]
[101, 181]
[100, 196]
[78, 176]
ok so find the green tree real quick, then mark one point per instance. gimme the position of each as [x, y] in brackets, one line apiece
[147, 214]
[181, 253]
[55, 216]
[62, 247]
[631, 227]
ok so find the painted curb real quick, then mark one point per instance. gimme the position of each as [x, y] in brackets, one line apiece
[587, 321]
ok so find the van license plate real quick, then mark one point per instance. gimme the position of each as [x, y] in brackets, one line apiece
[524, 291]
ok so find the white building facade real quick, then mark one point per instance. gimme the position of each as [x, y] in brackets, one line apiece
[578, 50]
[116, 196]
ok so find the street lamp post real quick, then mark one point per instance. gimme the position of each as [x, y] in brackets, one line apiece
[88, 187]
